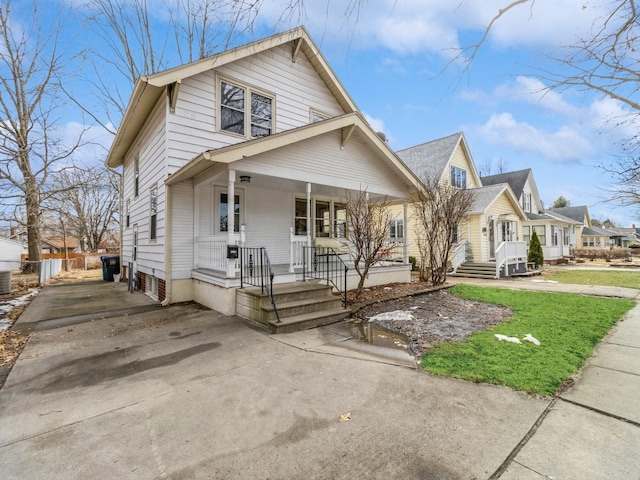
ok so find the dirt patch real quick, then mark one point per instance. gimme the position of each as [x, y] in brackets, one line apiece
[428, 318]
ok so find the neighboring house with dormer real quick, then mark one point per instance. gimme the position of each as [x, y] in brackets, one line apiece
[490, 237]
[556, 233]
[241, 163]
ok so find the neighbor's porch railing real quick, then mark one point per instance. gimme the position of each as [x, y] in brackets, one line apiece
[323, 263]
[459, 255]
[211, 251]
[509, 253]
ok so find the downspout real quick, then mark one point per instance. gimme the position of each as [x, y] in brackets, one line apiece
[167, 247]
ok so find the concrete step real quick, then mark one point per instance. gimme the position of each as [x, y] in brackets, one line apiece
[300, 307]
[309, 320]
[286, 292]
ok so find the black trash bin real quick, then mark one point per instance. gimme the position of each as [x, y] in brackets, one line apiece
[110, 266]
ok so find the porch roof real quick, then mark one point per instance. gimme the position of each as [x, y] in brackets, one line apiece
[484, 197]
[347, 124]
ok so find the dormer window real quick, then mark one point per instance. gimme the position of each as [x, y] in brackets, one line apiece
[239, 116]
[526, 202]
[458, 177]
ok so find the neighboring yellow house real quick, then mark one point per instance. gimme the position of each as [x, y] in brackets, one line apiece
[491, 236]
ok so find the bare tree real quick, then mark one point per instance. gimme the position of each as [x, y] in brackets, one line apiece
[438, 212]
[87, 203]
[31, 68]
[368, 233]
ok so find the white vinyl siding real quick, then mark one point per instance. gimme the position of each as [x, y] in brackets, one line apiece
[296, 88]
[355, 166]
[182, 230]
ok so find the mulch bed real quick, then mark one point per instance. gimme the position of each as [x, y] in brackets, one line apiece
[435, 316]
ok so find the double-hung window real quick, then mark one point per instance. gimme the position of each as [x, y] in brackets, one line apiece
[458, 177]
[526, 202]
[153, 212]
[136, 176]
[396, 228]
[245, 112]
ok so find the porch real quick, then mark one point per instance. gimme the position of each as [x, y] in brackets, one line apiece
[510, 259]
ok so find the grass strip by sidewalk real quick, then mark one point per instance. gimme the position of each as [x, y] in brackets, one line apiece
[611, 278]
[567, 326]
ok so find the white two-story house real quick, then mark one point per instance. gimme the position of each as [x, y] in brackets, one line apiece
[243, 156]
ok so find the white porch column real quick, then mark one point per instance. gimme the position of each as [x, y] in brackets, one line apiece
[308, 214]
[231, 219]
[405, 231]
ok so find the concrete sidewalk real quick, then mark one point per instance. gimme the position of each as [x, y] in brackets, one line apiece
[183, 392]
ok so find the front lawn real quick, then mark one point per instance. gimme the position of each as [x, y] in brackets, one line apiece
[567, 326]
[612, 278]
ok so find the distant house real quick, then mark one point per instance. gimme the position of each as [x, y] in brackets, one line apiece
[580, 215]
[240, 158]
[57, 245]
[557, 233]
[490, 238]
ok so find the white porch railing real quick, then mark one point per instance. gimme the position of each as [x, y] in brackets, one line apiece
[296, 250]
[509, 253]
[211, 251]
[459, 255]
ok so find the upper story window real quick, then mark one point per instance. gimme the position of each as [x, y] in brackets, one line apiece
[136, 176]
[526, 201]
[153, 212]
[243, 110]
[458, 177]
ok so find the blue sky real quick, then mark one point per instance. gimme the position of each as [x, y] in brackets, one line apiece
[392, 57]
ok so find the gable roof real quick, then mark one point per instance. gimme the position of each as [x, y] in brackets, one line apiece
[434, 156]
[149, 89]
[239, 151]
[574, 213]
[484, 197]
[516, 180]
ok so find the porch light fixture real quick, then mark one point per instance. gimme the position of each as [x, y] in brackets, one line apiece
[245, 179]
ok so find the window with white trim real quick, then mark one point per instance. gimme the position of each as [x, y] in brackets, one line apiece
[526, 234]
[300, 217]
[554, 235]
[127, 212]
[541, 233]
[221, 209]
[396, 228]
[458, 177]
[244, 111]
[526, 202]
[339, 220]
[153, 213]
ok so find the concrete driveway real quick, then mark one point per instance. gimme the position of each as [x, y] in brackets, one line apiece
[186, 393]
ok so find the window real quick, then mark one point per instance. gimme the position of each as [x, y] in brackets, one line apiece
[136, 176]
[396, 228]
[455, 238]
[541, 233]
[526, 234]
[223, 215]
[300, 217]
[153, 213]
[127, 213]
[567, 236]
[507, 231]
[526, 202]
[323, 220]
[235, 118]
[339, 220]
[458, 177]
[554, 235]
[135, 243]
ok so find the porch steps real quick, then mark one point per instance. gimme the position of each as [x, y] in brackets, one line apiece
[476, 270]
[301, 305]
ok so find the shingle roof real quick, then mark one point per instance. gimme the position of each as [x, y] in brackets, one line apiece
[516, 180]
[430, 158]
[483, 197]
[574, 213]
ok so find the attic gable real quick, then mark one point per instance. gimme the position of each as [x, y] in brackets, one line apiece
[149, 90]
[437, 156]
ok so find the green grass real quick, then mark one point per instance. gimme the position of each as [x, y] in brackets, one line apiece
[612, 278]
[567, 326]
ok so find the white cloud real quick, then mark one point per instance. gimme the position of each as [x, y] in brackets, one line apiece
[378, 125]
[563, 145]
[533, 91]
